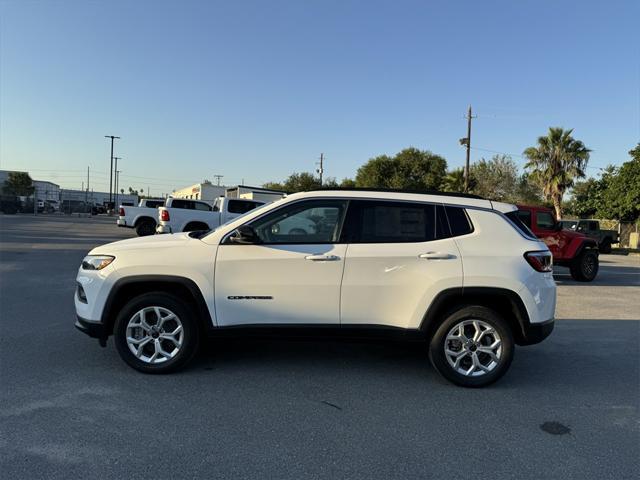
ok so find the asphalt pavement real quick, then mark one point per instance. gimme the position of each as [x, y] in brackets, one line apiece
[568, 408]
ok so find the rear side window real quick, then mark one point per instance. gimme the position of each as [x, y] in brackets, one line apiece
[154, 203]
[186, 204]
[241, 206]
[205, 207]
[390, 222]
[517, 217]
[459, 221]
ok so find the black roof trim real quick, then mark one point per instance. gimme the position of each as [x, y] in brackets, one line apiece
[393, 190]
[261, 189]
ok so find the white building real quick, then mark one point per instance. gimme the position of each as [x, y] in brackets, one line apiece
[254, 193]
[200, 191]
[47, 190]
[98, 198]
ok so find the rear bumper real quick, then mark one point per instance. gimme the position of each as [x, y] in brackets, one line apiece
[93, 329]
[536, 332]
[122, 222]
[163, 229]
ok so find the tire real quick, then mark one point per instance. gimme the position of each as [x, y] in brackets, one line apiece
[448, 338]
[145, 227]
[157, 353]
[584, 268]
[195, 226]
[605, 246]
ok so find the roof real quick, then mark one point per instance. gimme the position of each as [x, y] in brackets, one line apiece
[435, 197]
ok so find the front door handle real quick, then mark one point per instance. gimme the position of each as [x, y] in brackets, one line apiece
[318, 257]
[435, 256]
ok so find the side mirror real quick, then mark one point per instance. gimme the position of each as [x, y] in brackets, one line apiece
[558, 226]
[244, 235]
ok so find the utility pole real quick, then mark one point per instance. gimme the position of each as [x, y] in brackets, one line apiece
[112, 137]
[115, 194]
[218, 177]
[320, 170]
[117, 186]
[467, 142]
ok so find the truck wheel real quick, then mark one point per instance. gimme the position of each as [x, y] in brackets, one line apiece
[145, 227]
[605, 246]
[473, 347]
[156, 333]
[584, 267]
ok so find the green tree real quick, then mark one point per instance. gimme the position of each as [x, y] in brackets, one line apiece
[528, 192]
[19, 184]
[410, 169]
[621, 199]
[556, 162]
[348, 183]
[496, 179]
[454, 181]
[297, 182]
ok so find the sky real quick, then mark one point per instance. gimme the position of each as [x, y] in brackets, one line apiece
[257, 90]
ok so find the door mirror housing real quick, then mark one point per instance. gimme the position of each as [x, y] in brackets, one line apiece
[244, 235]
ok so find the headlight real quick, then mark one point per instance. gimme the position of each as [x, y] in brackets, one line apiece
[96, 262]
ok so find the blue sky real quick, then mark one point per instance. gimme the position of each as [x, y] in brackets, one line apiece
[256, 90]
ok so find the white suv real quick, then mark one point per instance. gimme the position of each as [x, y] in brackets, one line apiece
[459, 273]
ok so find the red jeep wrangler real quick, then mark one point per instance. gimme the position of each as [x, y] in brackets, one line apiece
[569, 249]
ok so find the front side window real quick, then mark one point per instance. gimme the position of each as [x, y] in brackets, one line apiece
[545, 221]
[390, 222]
[314, 221]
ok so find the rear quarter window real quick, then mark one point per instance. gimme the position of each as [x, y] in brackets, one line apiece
[459, 221]
[516, 218]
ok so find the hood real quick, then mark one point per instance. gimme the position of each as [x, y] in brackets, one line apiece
[151, 241]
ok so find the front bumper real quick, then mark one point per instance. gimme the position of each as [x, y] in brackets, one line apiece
[536, 332]
[93, 329]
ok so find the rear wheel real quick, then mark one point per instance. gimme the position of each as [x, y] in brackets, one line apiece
[145, 227]
[156, 333]
[473, 347]
[584, 267]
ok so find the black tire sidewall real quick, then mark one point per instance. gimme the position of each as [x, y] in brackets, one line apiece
[578, 271]
[437, 346]
[189, 324]
[145, 228]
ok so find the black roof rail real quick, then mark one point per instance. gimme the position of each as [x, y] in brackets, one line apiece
[394, 190]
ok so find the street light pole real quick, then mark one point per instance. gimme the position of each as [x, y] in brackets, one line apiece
[115, 193]
[112, 137]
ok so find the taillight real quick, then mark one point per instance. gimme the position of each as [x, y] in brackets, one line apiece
[121, 212]
[540, 261]
[164, 215]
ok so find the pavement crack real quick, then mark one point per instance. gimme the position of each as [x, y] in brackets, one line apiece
[337, 407]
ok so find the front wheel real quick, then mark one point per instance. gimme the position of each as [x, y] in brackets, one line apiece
[584, 267]
[473, 347]
[156, 333]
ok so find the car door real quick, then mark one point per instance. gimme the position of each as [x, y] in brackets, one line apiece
[399, 258]
[292, 276]
[546, 231]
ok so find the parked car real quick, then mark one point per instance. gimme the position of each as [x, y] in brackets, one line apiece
[453, 272]
[605, 238]
[182, 215]
[570, 249]
[9, 204]
[143, 217]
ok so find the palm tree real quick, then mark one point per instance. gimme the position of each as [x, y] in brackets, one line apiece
[555, 163]
[454, 181]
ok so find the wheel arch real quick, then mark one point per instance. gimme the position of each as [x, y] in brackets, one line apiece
[140, 218]
[128, 288]
[196, 223]
[502, 300]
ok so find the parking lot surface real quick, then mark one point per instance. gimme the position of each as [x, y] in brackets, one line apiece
[568, 408]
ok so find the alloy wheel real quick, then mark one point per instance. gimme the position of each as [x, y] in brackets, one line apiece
[154, 335]
[473, 348]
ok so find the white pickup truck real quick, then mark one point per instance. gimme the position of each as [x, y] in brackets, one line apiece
[182, 215]
[143, 217]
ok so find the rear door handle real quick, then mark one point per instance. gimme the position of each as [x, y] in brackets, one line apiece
[435, 256]
[322, 258]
